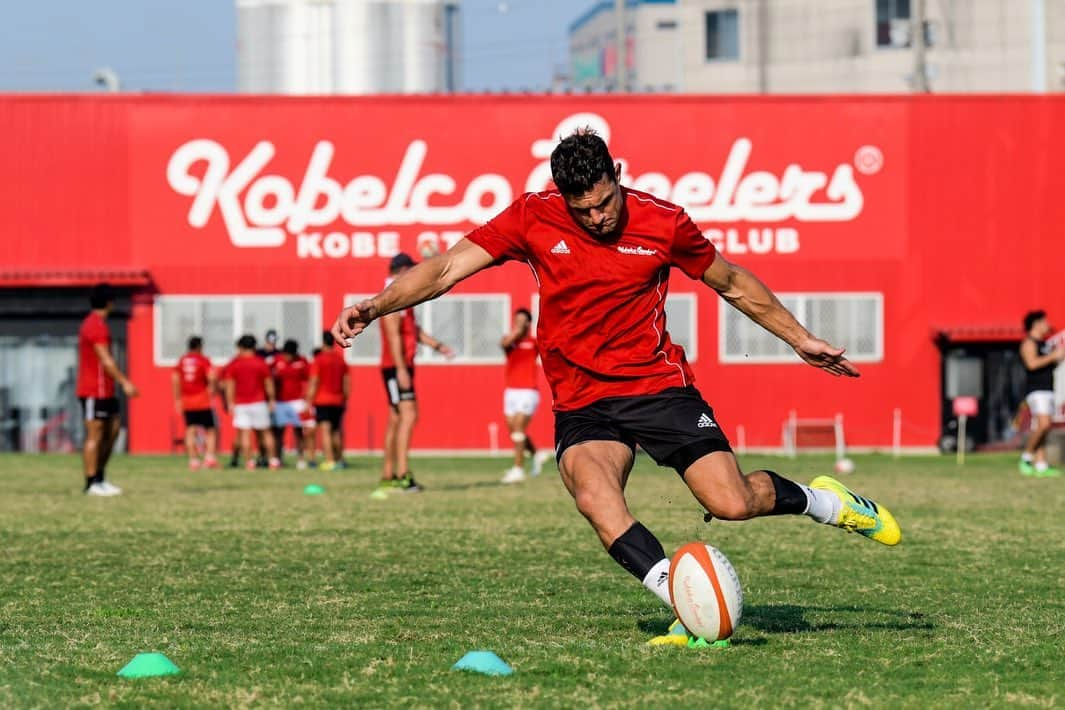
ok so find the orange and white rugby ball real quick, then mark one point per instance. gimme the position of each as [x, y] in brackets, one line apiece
[705, 591]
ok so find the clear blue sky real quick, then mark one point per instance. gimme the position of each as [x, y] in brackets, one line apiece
[190, 45]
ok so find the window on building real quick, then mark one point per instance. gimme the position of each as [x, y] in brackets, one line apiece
[851, 320]
[366, 348]
[892, 23]
[681, 322]
[220, 320]
[472, 325]
[723, 35]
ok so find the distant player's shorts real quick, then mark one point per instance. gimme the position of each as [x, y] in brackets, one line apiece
[251, 416]
[392, 388]
[326, 413]
[293, 413]
[98, 407]
[1040, 402]
[200, 417]
[520, 401]
[676, 426]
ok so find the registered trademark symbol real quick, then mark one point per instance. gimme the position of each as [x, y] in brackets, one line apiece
[868, 160]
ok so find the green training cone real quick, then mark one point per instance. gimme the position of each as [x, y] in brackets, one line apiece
[146, 665]
[314, 490]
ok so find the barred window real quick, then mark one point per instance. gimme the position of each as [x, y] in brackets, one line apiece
[366, 347]
[682, 322]
[472, 325]
[220, 320]
[854, 321]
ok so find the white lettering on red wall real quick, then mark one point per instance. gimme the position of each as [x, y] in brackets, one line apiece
[329, 215]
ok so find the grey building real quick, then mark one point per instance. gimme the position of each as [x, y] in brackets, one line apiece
[821, 46]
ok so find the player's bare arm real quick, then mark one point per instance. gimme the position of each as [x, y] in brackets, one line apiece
[312, 390]
[111, 368]
[426, 281]
[429, 341]
[521, 327]
[1033, 360]
[175, 387]
[745, 292]
[231, 395]
[271, 393]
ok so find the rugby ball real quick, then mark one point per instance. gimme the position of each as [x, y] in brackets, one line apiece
[705, 591]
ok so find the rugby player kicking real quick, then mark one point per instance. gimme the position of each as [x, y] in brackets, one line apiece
[601, 254]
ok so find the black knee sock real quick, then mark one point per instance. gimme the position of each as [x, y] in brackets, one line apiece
[637, 550]
[790, 498]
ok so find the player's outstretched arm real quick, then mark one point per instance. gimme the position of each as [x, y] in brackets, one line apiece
[429, 279]
[746, 293]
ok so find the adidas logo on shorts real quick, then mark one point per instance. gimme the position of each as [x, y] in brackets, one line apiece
[560, 248]
[705, 421]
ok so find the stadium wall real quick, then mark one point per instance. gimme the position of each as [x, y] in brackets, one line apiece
[936, 212]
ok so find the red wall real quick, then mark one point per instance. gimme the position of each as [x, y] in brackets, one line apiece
[949, 206]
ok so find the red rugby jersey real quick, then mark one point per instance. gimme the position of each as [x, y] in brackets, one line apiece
[193, 369]
[408, 333]
[92, 380]
[520, 370]
[249, 374]
[330, 368]
[291, 377]
[602, 324]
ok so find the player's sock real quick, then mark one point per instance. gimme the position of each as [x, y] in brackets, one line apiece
[1041, 466]
[99, 477]
[640, 552]
[89, 480]
[795, 499]
[1027, 457]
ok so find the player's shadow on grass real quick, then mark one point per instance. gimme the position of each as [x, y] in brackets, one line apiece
[791, 619]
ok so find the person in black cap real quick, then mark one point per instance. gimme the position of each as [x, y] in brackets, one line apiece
[400, 337]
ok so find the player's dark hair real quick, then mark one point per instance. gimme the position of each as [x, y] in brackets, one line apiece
[291, 347]
[1033, 317]
[328, 339]
[579, 161]
[195, 342]
[246, 342]
[101, 295]
[525, 311]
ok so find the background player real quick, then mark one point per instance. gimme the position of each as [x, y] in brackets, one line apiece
[400, 336]
[327, 391]
[602, 255]
[520, 394]
[1040, 360]
[193, 383]
[250, 396]
[97, 374]
[291, 374]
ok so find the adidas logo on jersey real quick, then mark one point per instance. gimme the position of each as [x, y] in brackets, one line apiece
[705, 421]
[560, 248]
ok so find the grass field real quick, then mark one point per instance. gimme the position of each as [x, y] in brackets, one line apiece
[264, 596]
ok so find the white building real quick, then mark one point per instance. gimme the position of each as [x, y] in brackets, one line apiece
[347, 46]
[822, 46]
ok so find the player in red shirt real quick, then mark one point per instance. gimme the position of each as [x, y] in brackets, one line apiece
[97, 374]
[601, 254]
[328, 392]
[291, 374]
[400, 337]
[194, 382]
[249, 387]
[521, 397]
